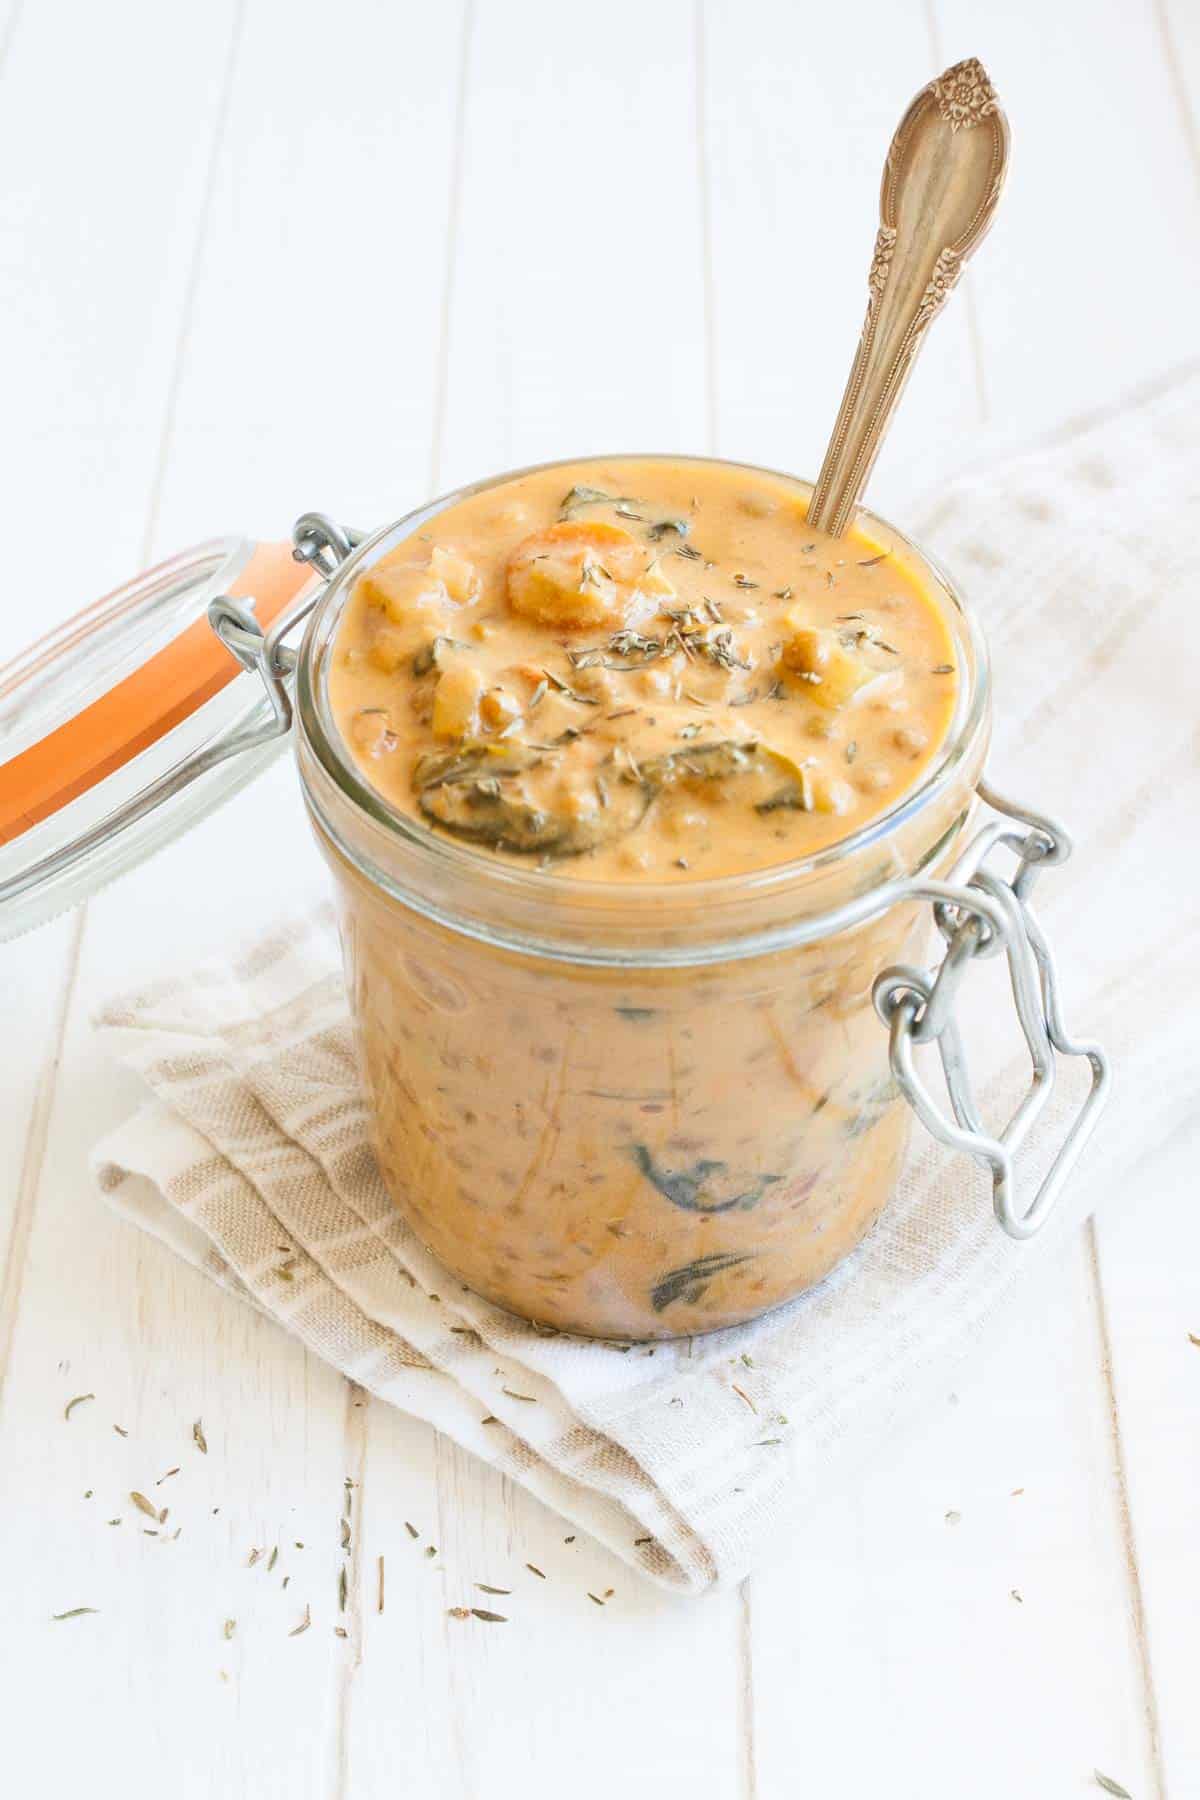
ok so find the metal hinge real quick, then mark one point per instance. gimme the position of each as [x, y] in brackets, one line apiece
[979, 914]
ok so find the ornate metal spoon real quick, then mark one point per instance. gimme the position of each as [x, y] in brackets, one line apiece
[942, 179]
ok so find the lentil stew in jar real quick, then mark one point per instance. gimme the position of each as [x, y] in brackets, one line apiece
[609, 760]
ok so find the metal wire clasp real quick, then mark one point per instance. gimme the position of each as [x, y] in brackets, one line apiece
[979, 914]
[321, 543]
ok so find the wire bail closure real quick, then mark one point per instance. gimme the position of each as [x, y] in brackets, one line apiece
[323, 544]
[979, 915]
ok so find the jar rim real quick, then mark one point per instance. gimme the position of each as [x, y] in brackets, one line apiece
[541, 888]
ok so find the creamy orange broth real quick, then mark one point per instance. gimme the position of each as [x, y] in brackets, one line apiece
[635, 669]
[635, 1153]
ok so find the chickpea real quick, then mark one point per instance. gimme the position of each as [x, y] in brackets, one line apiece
[371, 732]
[498, 708]
[873, 778]
[654, 683]
[911, 739]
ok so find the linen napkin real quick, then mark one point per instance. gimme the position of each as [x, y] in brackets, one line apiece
[689, 1459]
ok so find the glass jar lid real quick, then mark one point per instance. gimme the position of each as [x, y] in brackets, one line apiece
[131, 721]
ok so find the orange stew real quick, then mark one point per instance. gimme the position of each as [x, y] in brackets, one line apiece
[635, 671]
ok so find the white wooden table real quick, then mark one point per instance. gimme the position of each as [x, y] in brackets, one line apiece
[257, 257]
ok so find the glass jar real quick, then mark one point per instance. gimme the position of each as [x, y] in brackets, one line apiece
[621, 1110]
[624, 1110]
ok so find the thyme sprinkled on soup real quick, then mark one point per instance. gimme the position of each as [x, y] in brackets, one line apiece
[642, 670]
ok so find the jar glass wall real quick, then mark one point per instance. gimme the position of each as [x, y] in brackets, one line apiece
[630, 1111]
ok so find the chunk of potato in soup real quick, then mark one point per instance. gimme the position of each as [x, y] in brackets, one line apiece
[636, 671]
[642, 670]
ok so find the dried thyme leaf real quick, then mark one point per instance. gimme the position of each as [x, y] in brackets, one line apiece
[342, 1588]
[199, 1439]
[953, 1517]
[595, 1598]
[872, 561]
[942, 669]
[637, 1542]
[534, 1570]
[490, 1618]
[458, 1612]
[345, 1534]
[253, 1558]
[75, 1612]
[77, 1401]
[143, 1505]
[1193, 1339]
[743, 1395]
[304, 1624]
[1110, 1786]
[272, 1559]
[484, 1588]
[379, 1594]
[532, 1398]
[166, 1477]
[411, 1530]
[564, 687]
[229, 1628]
[120, 1431]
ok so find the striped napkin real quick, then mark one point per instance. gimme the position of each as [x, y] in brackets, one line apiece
[692, 1459]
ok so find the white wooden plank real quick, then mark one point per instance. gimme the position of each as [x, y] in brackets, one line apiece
[569, 332]
[1179, 35]
[565, 1692]
[311, 367]
[897, 1603]
[1148, 1251]
[576, 317]
[32, 979]
[799, 120]
[96, 248]
[1084, 291]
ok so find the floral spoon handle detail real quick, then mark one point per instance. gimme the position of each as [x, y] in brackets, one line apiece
[942, 180]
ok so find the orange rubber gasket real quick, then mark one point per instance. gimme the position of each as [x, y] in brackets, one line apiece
[142, 708]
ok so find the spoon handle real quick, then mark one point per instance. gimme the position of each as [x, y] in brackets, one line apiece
[942, 179]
